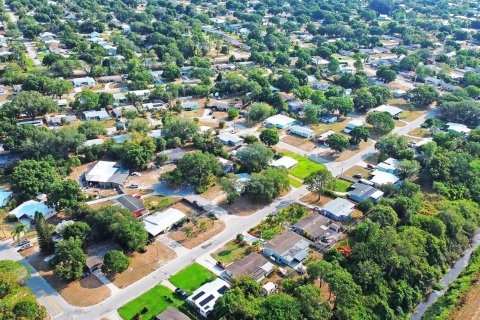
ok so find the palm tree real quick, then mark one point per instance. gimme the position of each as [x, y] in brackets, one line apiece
[188, 232]
[18, 230]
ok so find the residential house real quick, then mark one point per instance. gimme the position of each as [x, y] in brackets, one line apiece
[119, 98]
[301, 131]
[35, 123]
[338, 209]
[84, 81]
[133, 204]
[229, 139]
[60, 119]
[453, 127]
[118, 111]
[296, 105]
[361, 192]
[106, 174]
[279, 121]
[289, 248]
[25, 212]
[161, 222]
[190, 105]
[205, 297]
[253, 265]
[322, 139]
[269, 288]
[286, 162]
[393, 111]
[101, 114]
[312, 227]
[380, 178]
[172, 314]
[389, 165]
[329, 118]
[353, 124]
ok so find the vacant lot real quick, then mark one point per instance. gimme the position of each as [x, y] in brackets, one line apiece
[298, 142]
[81, 293]
[191, 235]
[156, 300]
[156, 203]
[313, 199]
[142, 264]
[324, 127]
[192, 277]
[304, 167]
[230, 252]
[421, 133]
[78, 171]
[243, 206]
[345, 155]
[357, 170]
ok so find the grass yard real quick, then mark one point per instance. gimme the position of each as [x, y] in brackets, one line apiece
[192, 277]
[294, 182]
[232, 251]
[342, 185]
[305, 166]
[155, 203]
[156, 300]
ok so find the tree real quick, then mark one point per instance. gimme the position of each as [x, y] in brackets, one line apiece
[18, 230]
[382, 122]
[303, 93]
[183, 128]
[408, 169]
[86, 100]
[28, 309]
[320, 181]
[358, 134]
[260, 111]
[105, 99]
[139, 125]
[358, 65]
[423, 96]
[269, 137]
[319, 270]
[130, 234]
[386, 74]
[171, 72]
[344, 106]
[137, 155]
[255, 157]
[30, 177]
[233, 113]
[338, 142]
[44, 234]
[333, 65]
[311, 114]
[267, 185]
[196, 169]
[395, 146]
[92, 129]
[312, 305]
[230, 186]
[77, 230]
[115, 262]
[69, 259]
[280, 307]
[364, 100]
[30, 103]
[409, 63]
[287, 82]
[64, 194]
[384, 215]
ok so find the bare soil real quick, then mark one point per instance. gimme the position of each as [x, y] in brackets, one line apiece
[81, 293]
[198, 236]
[312, 199]
[357, 169]
[142, 264]
[242, 206]
[301, 143]
[78, 171]
[469, 305]
[353, 150]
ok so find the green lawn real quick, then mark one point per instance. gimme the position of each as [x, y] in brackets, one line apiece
[305, 166]
[155, 203]
[295, 183]
[231, 252]
[156, 300]
[342, 185]
[192, 277]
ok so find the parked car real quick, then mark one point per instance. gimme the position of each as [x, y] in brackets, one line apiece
[318, 209]
[25, 247]
[181, 293]
[357, 176]
[371, 166]
[221, 265]
[23, 242]
[137, 174]
[133, 186]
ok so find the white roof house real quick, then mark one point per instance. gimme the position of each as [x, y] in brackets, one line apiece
[229, 139]
[106, 173]
[338, 209]
[101, 114]
[119, 110]
[84, 81]
[286, 162]
[162, 221]
[394, 111]
[381, 177]
[205, 297]
[389, 165]
[28, 209]
[93, 142]
[353, 124]
[458, 128]
[279, 121]
[302, 131]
